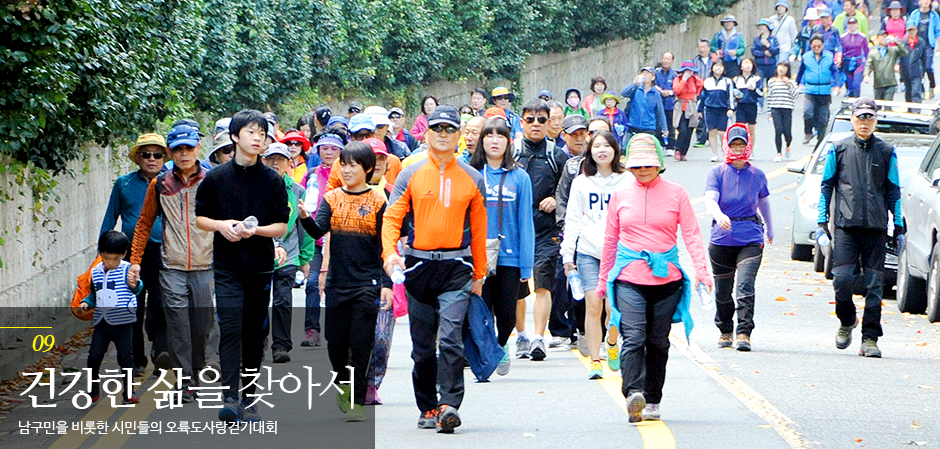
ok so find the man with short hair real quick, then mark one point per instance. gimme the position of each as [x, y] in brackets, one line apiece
[820, 78]
[849, 10]
[663, 82]
[445, 260]
[471, 133]
[880, 64]
[556, 115]
[544, 162]
[127, 198]
[186, 277]
[379, 116]
[244, 205]
[830, 35]
[355, 107]
[861, 177]
[397, 116]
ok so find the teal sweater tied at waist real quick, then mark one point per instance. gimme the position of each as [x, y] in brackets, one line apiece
[659, 263]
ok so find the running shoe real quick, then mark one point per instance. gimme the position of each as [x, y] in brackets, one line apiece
[651, 412]
[522, 347]
[635, 405]
[725, 341]
[744, 343]
[613, 357]
[503, 368]
[557, 342]
[428, 419]
[844, 336]
[869, 348]
[249, 413]
[448, 419]
[229, 411]
[715, 158]
[597, 370]
[538, 350]
[788, 153]
[778, 157]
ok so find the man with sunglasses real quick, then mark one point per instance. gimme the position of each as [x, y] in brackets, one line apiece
[544, 162]
[186, 271]
[445, 261]
[861, 177]
[127, 198]
[361, 127]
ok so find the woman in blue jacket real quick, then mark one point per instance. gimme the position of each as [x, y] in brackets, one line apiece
[716, 106]
[509, 215]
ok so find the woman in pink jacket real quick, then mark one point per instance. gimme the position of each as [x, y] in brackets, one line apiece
[640, 272]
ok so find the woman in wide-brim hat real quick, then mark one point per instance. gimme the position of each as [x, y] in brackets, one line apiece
[640, 272]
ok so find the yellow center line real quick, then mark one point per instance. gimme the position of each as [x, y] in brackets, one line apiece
[136, 413]
[655, 434]
[770, 175]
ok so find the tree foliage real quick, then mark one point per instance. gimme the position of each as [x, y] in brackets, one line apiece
[76, 71]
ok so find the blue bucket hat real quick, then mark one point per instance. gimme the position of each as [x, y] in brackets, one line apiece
[784, 3]
[360, 122]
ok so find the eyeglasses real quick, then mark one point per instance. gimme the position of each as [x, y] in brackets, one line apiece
[294, 143]
[228, 149]
[531, 119]
[450, 129]
[866, 117]
[501, 97]
[156, 155]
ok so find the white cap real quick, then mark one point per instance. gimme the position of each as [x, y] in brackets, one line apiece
[379, 115]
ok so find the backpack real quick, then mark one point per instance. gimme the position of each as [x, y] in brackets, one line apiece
[82, 291]
[549, 152]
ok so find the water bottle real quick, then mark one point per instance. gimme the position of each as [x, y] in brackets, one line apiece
[574, 281]
[822, 239]
[250, 223]
[398, 275]
[299, 278]
[708, 301]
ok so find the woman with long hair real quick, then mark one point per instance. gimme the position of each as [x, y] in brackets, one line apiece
[585, 219]
[509, 219]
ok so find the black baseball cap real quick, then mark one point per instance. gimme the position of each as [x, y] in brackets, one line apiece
[573, 123]
[445, 114]
[864, 105]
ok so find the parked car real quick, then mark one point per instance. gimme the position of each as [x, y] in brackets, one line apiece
[919, 261]
[911, 135]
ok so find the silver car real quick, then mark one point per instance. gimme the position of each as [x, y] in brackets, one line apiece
[919, 261]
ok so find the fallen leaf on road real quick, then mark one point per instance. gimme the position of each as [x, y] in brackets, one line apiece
[808, 294]
[810, 385]
[756, 371]
[907, 376]
[858, 440]
[915, 425]
[540, 392]
[780, 298]
[832, 302]
[792, 314]
[921, 343]
[926, 387]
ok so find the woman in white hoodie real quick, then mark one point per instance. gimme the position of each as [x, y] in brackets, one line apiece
[585, 220]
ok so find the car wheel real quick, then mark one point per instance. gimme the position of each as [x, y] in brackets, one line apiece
[911, 293]
[819, 259]
[827, 269]
[801, 252]
[933, 285]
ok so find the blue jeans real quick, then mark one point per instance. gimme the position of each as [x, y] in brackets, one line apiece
[312, 309]
[646, 318]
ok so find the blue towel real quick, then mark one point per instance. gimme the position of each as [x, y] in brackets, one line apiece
[659, 262]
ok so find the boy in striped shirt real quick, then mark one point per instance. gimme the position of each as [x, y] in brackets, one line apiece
[114, 298]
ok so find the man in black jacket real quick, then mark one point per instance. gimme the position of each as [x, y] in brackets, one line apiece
[862, 172]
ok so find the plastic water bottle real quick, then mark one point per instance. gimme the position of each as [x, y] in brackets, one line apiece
[822, 239]
[398, 275]
[708, 301]
[574, 281]
[250, 223]
[299, 277]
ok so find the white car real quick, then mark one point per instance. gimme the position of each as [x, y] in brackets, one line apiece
[919, 261]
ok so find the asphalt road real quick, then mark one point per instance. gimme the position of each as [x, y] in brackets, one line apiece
[795, 389]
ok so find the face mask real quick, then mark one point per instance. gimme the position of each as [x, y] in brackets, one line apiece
[573, 102]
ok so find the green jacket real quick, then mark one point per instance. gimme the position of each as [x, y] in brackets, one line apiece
[883, 66]
[296, 242]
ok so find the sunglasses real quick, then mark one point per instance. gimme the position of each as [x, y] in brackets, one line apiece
[866, 117]
[394, 116]
[449, 129]
[354, 111]
[228, 149]
[156, 155]
[294, 143]
[501, 97]
[530, 119]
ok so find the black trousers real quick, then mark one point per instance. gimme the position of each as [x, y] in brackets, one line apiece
[735, 295]
[350, 334]
[849, 246]
[122, 336]
[671, 142]
[282, 306]
[242, 308]
[816, 115]
[501, 292]
[562, 320]
[783, 126]
[685, 136]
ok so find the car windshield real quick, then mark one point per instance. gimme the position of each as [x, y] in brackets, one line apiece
[886, 124]
[910, 150]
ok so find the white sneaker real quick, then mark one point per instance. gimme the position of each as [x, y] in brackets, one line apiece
[715, 158]
[557, 342]
[778, 157]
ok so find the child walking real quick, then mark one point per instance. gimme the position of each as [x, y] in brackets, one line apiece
[353, 216]
[114, 298]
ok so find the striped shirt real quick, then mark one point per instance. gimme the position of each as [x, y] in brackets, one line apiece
[780, 94]
[113, 299]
